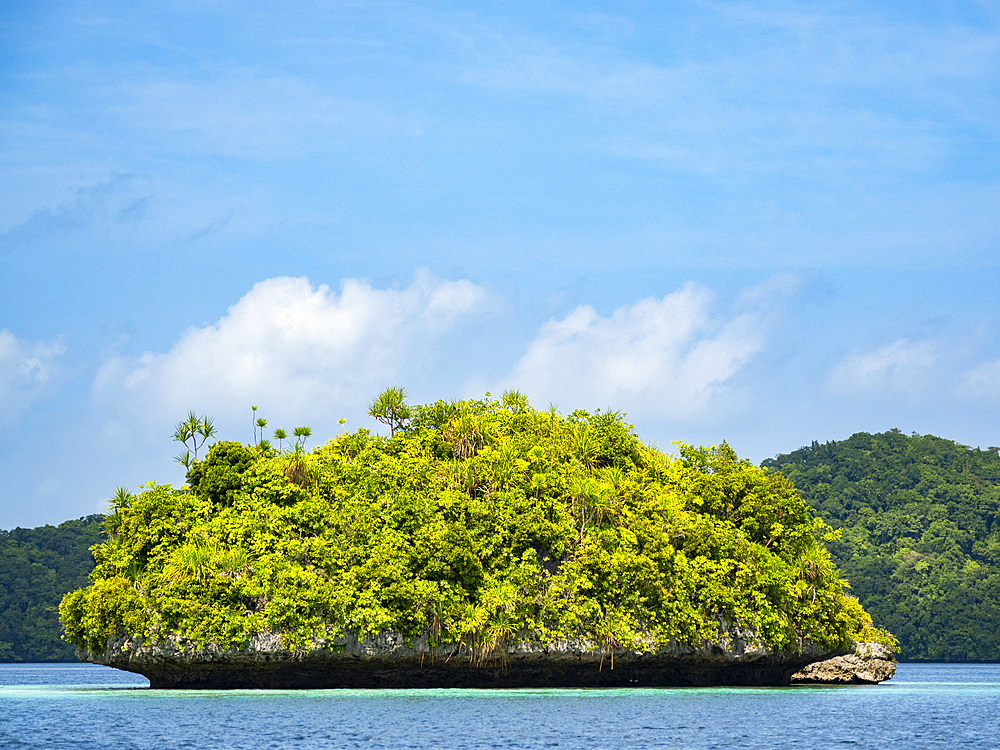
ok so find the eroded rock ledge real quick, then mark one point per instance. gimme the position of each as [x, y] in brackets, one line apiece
[390, 661]
[870, 663]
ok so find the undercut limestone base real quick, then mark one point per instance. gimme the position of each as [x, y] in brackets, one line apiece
[390, 661]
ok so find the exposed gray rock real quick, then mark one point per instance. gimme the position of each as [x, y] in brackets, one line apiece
[870, 663]
[389, 660]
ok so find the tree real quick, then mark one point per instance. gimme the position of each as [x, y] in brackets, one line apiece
[219, 476]
[119, 502]
[193, 432]
[281, 436]
[301, 433]
[297, 472]
[390, 409]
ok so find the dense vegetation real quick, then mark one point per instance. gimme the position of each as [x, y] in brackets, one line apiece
[37, 567]
[476, 523]
[920, 518]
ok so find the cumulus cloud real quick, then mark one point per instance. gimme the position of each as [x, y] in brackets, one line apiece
[291, 343]
[902, 367]
[669, 357]
[26, 368]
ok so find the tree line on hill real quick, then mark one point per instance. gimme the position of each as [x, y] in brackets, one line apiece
[37, 567]
[919, 518]
[920, 535]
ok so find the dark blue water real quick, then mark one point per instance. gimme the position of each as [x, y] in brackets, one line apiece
[77, 705]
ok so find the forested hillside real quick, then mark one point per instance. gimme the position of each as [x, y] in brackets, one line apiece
[37, 567]
[920, 519]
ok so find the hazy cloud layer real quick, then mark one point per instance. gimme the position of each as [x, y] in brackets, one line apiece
[244, 115]
[106, 208]
[26, 368]
[900, 368]
[925, 371]
[982, 383]
[795, 91]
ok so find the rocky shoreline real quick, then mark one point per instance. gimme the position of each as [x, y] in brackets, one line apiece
[870, 664]
[390, 661]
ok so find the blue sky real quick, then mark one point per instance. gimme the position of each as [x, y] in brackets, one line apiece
[766, 223]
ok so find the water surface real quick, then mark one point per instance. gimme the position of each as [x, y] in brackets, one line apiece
[85, 706]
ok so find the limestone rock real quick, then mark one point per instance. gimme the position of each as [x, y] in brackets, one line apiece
[389, 660]
[870, 663]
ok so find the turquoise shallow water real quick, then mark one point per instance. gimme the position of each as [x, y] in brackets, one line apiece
[78, 705]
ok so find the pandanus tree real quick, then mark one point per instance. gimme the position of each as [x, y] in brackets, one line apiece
[258, 424]
[281, 436]
[301, 433]
[390, 409]
[297, 471]
[192, 433]
[119, 502]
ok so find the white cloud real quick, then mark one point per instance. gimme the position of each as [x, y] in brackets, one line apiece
[669, 357]
[901, 368]
[295, 346]
[26, 368]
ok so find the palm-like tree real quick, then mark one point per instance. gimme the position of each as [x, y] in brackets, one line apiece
[390, 409]
[465, 434]
[583, 445]
[515, 400]
[121, 500]
[297, 471]
[301, 433]
[191, 561]
[280, 435]
[193, 432]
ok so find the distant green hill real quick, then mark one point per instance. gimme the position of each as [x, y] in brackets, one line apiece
[37, 567]
[920, 518]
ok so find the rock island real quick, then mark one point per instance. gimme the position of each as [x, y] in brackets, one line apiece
[483, 543]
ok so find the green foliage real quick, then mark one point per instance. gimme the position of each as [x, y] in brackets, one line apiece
[390, 408]
[476, 523]
[192, 432]
[281, 436]
[37, 567]
[220, 476]
[919, 523]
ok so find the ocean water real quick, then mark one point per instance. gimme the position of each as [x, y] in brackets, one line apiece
[84, 706]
